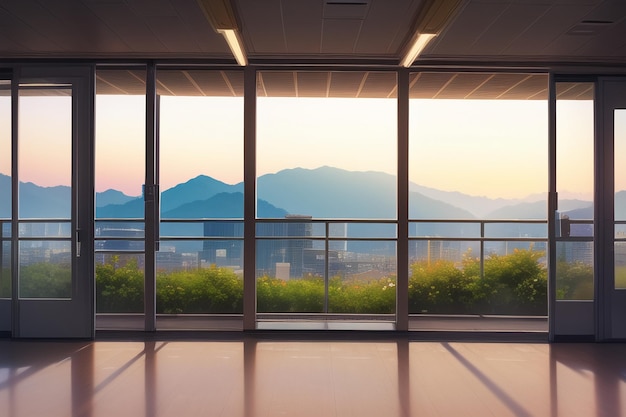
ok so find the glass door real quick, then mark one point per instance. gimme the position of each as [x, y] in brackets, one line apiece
[611, 183]
[52, 227]
[572, 250]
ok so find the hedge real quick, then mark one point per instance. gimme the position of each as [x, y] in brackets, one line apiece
[511, 284]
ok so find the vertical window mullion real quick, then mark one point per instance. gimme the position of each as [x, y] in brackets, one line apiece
[402, 254]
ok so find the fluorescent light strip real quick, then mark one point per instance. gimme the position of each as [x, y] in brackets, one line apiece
[235, 45]
[416, 48]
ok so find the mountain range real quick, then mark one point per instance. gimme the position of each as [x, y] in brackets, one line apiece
[324, 192]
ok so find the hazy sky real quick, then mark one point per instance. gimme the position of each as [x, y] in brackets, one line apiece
[497, 149]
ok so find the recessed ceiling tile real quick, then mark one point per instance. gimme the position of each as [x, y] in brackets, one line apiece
[129, 28]
[379, 84]
[465, 29]
[119, 81]
[386, 27]
[262, 26]
[31, 39]
[303, 26]
[540, 36]
[346, 84]
[463, 85]
[339, 36]
[428, 84]
[512, 22]
[278, 83]
[152, 7]
[172, 33]
[312, 83]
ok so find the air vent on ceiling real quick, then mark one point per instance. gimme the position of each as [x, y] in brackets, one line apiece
[346, 9]
[589, 27]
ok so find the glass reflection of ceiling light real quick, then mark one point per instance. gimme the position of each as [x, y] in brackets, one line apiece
[235, 45]
[418, 45]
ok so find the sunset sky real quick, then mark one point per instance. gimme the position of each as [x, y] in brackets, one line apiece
[496, 149]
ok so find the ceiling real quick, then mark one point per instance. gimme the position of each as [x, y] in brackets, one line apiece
[533, 34]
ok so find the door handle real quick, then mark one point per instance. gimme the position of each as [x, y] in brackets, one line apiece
[78, 243]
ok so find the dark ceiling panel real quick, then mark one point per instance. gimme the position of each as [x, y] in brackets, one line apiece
[262, 26]
[133, 31]
[574, 91]
[545, 30]
[277, 84]
[386, 27]
[346, 84]
[312, 84]
[29, 37]
[303, 26]
[512, 22]
[379, 84]
[496, 85]
[428, 84]
[210, 83]
[466, 28]
[462, 85]
[125, 82]
[176, 83]
[534, 87]
[339, 36]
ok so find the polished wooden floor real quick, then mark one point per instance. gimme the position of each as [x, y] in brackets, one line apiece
[271, 377]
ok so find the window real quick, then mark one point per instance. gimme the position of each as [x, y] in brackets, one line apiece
[326, 152]
[477, 197]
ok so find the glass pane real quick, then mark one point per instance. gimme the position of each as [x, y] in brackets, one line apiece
[120, 143]
[5, 269]
[362, 278]
[294, 229]
[5, 188]
[477, 151]
[365, 230]
[620, 196]
[201, 174]
[5, 149]
[326, 144]
[516, 230]
[447, 277]
[574, 141]
[437, 229]
[201, 139]
[574, 270]
[45, 157]
[119, 235]
[119, 283]
[45, 229]
[45, 269]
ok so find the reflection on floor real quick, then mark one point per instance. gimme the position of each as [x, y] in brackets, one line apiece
[250, 375]
[421, 322]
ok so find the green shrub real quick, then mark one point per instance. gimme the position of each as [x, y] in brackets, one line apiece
[574, 281]
[46, 280]
[119, 288]
[512, 284]
[209, 290]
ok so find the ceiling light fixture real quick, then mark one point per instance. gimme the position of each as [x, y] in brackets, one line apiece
[235, 45]
[222, 17]
[417, 46]
[433, 16]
